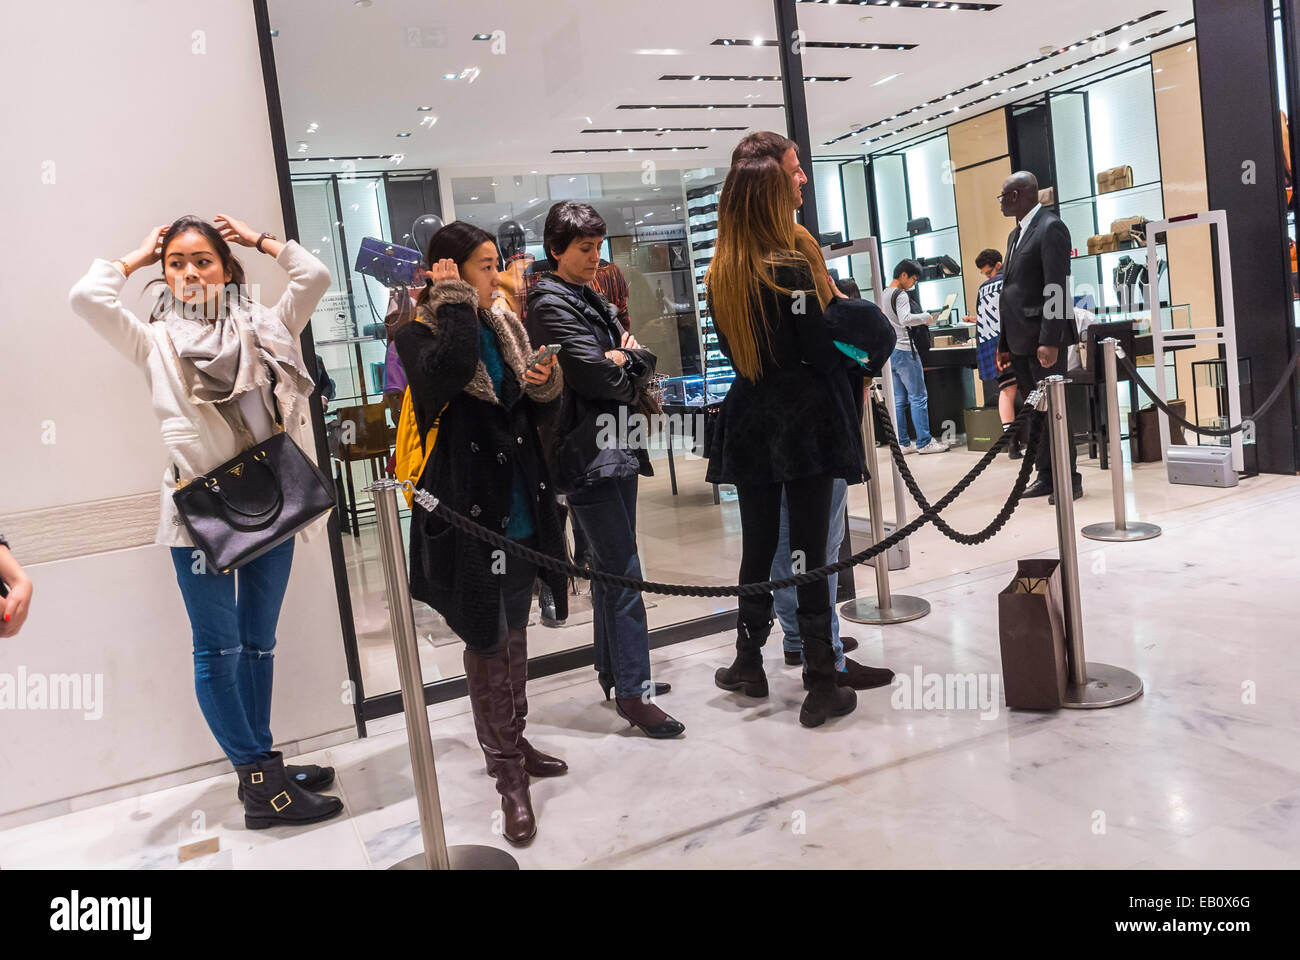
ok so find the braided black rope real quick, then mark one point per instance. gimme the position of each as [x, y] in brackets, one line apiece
[491, 537]
[1127, 364]
[886, 428]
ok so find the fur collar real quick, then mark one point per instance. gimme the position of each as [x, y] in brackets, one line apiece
[516, 352]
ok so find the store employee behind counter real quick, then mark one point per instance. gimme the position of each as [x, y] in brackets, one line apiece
[1036, 312]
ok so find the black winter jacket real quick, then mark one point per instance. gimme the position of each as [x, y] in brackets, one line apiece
[600, 397]
[482, 440]
[801, 417]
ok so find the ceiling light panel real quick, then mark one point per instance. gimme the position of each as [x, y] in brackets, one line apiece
[820, 44]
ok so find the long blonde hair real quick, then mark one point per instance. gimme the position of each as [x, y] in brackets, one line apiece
[756, 234]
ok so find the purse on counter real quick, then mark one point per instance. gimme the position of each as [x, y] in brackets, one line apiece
[390, 264]
[254, 502]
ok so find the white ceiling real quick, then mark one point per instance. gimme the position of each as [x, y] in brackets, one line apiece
[359, 73]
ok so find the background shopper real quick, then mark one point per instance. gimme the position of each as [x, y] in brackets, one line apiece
[468, 368]
[1036, 309]
[604, 369]
[988, 328]
[905, 363]
[19, 597]
[785, 425]
[223, 369]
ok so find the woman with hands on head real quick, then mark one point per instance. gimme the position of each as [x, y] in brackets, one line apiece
[472, 371]
[225, 373]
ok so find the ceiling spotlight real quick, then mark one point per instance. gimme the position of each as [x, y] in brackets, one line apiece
[449, 76]
[403, 134]
[424, 109]
[481, 36]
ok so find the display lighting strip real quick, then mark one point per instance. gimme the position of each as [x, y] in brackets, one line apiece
[697, 106]
[660, 129]
[911, 4]
[1069, 48]
[821, 44]
[737, 76]
[626, 149]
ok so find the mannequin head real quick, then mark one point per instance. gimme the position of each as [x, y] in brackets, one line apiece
[511, 239]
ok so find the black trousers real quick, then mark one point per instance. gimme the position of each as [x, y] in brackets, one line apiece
[808, 501]
[1028, 372]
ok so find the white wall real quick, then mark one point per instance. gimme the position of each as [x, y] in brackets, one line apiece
[117, 117]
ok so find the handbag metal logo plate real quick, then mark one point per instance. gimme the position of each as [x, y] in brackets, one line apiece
[237, 470]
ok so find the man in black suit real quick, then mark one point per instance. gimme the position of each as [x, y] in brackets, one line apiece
[1036, 307]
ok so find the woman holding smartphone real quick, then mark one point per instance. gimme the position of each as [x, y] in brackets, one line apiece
[786, 425]
[225, 373]
[595, 465]
[472, 372]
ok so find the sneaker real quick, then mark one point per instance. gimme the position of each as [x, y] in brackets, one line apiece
[934, 446]
[907, 448]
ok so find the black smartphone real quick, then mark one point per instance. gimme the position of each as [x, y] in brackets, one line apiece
[545, 354]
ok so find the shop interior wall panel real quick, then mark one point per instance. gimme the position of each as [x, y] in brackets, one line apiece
[1182, 174]
[1243, 163]
[982, 222]
[92, 172]
[978, 139]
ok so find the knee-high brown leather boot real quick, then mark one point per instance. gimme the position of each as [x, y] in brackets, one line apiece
[493, 705]
[537, 764]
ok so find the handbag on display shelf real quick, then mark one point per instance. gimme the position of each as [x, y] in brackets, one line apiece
[1102, 243]
[1047, 196]
[1116, 178]
[939, 268]
[918, 226]
[1130, 229]
[390, 264]
[252, 503]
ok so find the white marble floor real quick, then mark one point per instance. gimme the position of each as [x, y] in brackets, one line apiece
[1202, 771]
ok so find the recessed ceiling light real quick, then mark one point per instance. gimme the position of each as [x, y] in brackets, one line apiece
[361, 3]
[473, 198]
[449, 76]
[481, 36]
[403, 134]
[424, 109]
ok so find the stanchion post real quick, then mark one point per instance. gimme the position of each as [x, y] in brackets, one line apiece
[436, 855]
[1120, 530]
[886, 606]
[1089, 685]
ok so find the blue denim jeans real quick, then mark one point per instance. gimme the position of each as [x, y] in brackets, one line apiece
[787, 600]
[234, 644]
[909, 390]
[606, 512]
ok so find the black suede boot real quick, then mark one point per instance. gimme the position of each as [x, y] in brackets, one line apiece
[826, 698]
[753, 624]
[271, 798]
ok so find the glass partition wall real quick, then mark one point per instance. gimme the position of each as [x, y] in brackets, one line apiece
[490, 114]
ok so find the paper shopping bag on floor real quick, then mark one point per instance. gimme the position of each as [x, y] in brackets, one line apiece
[1031, 628]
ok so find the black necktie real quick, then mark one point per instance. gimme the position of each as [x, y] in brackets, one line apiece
[1015, 241]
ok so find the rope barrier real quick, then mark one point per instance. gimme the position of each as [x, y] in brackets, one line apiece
[1127, 364]
[886, 428]
[929, 514]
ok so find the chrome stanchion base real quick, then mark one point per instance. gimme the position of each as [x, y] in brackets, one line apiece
[1107, 686]
[1132, 531]
[467, 856]
[901, 609]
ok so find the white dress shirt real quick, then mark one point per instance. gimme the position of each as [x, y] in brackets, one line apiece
[1024, 225]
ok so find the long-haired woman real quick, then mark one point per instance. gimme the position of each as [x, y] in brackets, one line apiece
[786, 422]
[471, 370]
[226, 373]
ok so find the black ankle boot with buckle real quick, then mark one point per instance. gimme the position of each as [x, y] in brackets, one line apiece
[308, 776]
[271, 798]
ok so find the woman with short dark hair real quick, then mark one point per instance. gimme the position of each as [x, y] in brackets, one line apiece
[593, 461]
[472, 372]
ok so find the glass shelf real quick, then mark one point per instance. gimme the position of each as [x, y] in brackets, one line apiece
[1113, 193]
[916, 236]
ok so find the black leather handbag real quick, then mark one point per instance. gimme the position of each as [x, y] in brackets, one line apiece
[253, 503]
